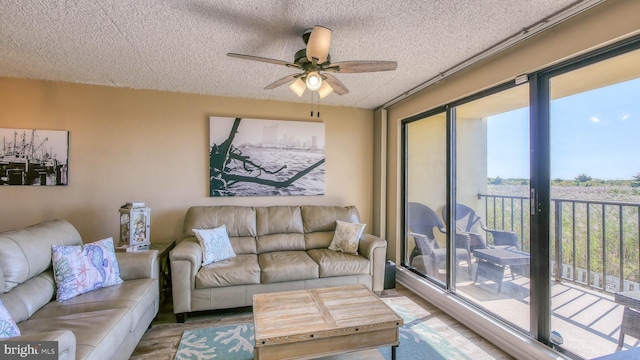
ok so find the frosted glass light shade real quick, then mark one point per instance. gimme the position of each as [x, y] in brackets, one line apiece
[325, 90]
[318, 44]
[298, 87]
[314, 81]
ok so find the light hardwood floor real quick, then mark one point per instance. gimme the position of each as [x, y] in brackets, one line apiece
[161, 341]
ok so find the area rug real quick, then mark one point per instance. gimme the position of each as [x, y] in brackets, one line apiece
[423, 336]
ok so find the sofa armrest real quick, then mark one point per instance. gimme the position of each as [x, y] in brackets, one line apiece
[65, 338]
[138, 265]
[186, 261]
[188, 250]
[369, 243]
[374, 249]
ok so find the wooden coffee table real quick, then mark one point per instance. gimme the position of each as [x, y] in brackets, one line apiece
[307, 324]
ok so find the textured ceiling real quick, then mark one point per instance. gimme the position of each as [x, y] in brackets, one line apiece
[181, 45]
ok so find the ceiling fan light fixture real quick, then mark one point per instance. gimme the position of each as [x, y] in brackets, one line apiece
[298, 87]
[318, 44]
[325, 90]
[313, 81]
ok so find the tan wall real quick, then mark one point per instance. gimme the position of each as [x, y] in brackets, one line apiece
[138, 145]
[604, 24]
[426, 161]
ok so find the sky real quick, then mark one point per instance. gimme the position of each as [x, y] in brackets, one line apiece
[596, 133]
[250, 130]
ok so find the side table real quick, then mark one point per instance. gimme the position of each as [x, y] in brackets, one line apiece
[491, 263]
[163, 248]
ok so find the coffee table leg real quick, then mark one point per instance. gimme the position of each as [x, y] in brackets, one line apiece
[393, 352]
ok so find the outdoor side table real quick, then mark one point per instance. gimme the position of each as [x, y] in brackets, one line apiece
[630, 317]
[491, 263]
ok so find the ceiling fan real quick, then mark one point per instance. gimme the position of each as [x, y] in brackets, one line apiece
[315, 63]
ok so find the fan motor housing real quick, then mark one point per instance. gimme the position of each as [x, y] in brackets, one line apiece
[301, 58]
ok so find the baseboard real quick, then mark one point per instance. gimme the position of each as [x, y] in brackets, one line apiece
[509, 340]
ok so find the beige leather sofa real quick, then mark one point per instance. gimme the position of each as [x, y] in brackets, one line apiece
[277, 248]
[102, 324]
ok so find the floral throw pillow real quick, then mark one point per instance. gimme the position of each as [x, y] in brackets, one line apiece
[215, 243]
[8, 327]
[83, 268]
[346, 237]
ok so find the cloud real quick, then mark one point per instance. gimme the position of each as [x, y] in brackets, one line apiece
[595, 119]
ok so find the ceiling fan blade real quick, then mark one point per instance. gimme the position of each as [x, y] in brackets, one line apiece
[362, 66]
[263, 59]
[283, 81]
[337, 85]
[318, 44]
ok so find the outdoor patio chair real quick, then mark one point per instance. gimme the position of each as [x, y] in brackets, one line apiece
[468, 221]
[422, 220]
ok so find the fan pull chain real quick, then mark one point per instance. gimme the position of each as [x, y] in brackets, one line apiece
[318, 107]
[311, 113]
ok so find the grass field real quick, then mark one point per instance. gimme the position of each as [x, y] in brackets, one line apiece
[597, 222]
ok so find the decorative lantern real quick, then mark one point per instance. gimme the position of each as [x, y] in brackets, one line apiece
[135, 222]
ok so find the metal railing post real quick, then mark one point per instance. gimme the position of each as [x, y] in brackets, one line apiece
[558, 238]
[621, 229]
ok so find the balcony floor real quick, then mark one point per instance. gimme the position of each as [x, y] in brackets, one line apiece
[588, 320]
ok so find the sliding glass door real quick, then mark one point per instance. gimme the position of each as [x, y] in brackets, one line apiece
[595, 177]
[425, 191]
[544, 173]
[492, 193]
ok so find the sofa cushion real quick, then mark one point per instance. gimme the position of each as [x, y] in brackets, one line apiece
[240, 270]
[26, 252]
[280, 242]
[25, 299]
[346, 237]
[8, 327]
[318, 240]
[279, 220]
[82, 268]
[334, 263]
[323, 218]
[215, 244]
[240, 220]
[279, 229]
[98, 334]
[135, 295]
[283, 266]
[243, 245]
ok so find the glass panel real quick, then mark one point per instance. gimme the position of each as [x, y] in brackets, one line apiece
[595, 177]
[492, 187]
[425, 245]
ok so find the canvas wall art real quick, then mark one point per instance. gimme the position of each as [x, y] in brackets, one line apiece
[34, 157]
[256, 157]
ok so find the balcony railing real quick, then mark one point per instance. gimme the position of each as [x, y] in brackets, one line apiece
[594, 243]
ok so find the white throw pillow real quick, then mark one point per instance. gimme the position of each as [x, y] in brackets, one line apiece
[346, 237]
[215, 244]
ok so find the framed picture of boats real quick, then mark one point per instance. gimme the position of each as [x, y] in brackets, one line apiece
[34, 157]
[257, 157]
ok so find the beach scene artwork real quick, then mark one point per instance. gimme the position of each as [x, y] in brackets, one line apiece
[258, 157]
